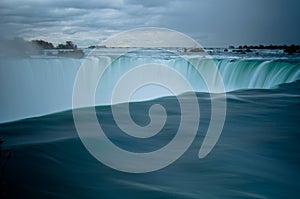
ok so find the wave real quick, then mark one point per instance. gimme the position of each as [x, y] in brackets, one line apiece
[257, 152]
[56, 127]
[38, 86]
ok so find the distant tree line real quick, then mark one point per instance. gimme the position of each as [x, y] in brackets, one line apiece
[287, 48]
[43, 44]
[18, 47]
[67, 45]
[93, 47]
[47, 45]
[75, 53]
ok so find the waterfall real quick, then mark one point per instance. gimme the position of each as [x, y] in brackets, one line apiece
[37, 86]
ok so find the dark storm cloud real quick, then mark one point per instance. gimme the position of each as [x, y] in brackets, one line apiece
[79, 20]
[220, 23]
[211, 22]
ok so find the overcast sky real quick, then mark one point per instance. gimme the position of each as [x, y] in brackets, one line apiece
[213, 23]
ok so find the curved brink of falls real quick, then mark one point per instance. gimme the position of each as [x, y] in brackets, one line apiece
[32, 87]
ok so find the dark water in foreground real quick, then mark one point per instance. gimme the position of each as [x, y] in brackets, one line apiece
[257, 155]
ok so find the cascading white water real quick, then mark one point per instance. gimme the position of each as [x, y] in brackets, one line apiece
[37, 86]
[247, 74]
[31, 87]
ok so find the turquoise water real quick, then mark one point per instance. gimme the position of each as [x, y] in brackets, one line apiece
[256, 156]
[43, 85]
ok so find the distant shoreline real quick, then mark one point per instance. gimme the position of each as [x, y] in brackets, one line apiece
[18, 47]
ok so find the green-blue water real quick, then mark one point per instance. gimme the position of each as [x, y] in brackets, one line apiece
[256, 156]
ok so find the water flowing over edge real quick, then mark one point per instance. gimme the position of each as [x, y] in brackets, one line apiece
[38, 86]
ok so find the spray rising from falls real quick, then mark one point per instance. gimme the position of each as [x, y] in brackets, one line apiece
[37, 86]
